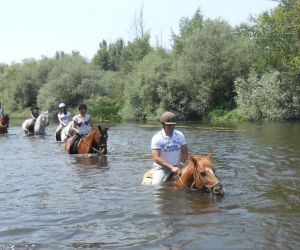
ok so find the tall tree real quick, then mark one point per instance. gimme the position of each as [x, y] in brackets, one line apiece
[186, 28]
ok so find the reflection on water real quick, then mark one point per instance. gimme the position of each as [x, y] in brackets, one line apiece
[91, 160]
[51, 200]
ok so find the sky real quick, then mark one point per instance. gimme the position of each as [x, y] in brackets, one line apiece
[36, 28]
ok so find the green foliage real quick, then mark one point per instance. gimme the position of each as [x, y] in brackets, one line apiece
[120, 57]
[262, 98]
[142, 97]
[103, 108]
[214, 72]
[277, 36]
[213, 57]
[186, 28]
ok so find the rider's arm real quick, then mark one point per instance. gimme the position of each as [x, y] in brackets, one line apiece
[74, 126]
[156, 156]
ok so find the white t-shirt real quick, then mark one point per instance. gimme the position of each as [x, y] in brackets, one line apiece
[83, 123]
[170, 147]
[64, 117]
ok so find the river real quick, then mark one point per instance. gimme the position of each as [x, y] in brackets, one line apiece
[51, 200]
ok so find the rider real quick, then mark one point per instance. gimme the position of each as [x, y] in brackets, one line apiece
[82, 123]
[1, 110]
[63, 118]
[169, 150]
[34, 112]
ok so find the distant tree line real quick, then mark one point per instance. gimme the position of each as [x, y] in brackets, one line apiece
[212, 72]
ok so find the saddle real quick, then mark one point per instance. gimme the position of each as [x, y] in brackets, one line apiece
[74, 145]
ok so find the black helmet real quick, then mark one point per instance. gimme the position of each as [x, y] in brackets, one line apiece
[82, 106]
[168, 118]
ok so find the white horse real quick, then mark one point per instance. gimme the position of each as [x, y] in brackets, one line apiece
[66, 132]
[40, 124]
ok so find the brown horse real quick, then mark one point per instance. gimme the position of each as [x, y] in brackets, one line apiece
[198, 174]
[4, 121]
[93, 142]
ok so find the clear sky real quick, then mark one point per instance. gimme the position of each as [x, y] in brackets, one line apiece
[35, 28]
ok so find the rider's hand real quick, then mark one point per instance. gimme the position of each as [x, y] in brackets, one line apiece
[175, 170]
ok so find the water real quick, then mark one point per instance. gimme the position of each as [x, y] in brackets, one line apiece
[51, 200]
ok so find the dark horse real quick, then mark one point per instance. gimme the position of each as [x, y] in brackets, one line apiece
[198, 174]
[93, 142]
[4, 121]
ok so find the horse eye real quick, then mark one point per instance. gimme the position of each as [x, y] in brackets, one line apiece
[203, 174]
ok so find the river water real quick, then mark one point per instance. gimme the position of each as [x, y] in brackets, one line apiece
[51, 200]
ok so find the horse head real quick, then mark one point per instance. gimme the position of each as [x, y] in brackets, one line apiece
[204, 177]
[100, 139]
[4, 121]
[44, 118]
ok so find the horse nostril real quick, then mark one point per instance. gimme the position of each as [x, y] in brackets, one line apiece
[218, 189]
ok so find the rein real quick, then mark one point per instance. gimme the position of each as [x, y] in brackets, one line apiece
[96, 150]
[201, 178]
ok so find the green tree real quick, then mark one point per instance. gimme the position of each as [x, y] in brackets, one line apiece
[262, 98]
[186, 28]
[142, 89]
[211, 60]
[277, 36]
[120, 57]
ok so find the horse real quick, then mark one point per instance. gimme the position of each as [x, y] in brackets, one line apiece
[94, 142]
[4, 122]
[66, 132]
[39, 126]
[199, 174]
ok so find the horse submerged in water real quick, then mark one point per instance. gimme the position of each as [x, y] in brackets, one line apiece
[39, 128]
[199, 174]
[4, 122]
[63, 133]
[94, 142]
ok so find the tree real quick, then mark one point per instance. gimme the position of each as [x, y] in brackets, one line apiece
[211, 60]
[186, 28]
[277, 36]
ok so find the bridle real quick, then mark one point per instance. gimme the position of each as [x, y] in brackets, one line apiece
[210, 189]
[102, 145]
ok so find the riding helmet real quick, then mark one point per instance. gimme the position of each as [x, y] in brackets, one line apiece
[168, 118]
[62, 105]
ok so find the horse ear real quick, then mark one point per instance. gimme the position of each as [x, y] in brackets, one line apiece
[99, 127]
[210, 155]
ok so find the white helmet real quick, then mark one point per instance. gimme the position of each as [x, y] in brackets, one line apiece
[62, 105]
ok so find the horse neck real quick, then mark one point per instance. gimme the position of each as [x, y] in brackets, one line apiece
[188, 174]
[90, 138]
[39, 124]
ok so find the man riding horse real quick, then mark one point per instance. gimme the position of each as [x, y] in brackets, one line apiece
[169, 150]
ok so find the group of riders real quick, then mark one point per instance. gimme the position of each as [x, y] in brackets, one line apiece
[81, 123]
[169, 147]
